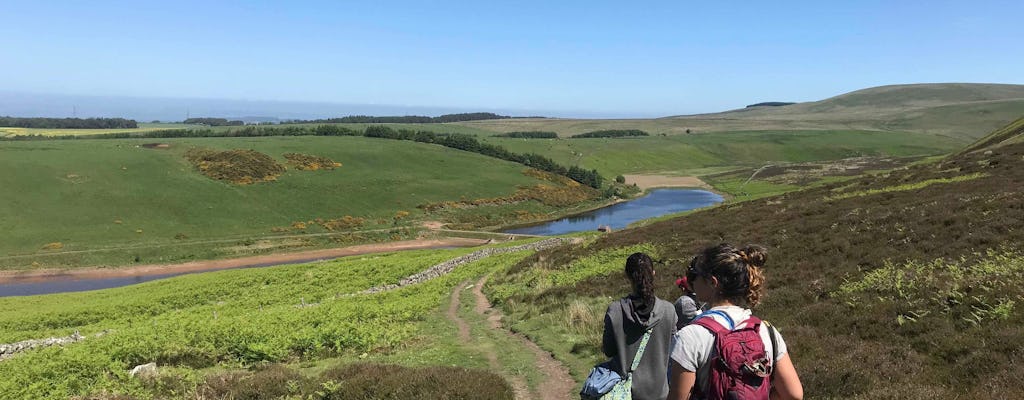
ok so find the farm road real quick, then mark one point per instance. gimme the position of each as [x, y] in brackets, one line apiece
[556, 384]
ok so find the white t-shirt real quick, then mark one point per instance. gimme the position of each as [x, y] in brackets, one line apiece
[693, 345]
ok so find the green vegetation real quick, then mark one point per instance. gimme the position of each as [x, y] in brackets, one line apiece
[114, 202]
[907, 293]
[528, 135]
[408, 119]
[1014, 130]
[693, 154]
[236, 318]
[899, 188]
[212, 122]
[611, 133]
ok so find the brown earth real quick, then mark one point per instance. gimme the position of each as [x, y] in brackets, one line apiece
[557, 384]
[655, 181]
[212, 265]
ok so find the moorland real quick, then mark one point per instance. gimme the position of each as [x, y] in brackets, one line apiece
[891, 214]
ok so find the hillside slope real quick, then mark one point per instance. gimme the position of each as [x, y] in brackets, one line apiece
[905, 284]
[1012, 133]
[962, 111]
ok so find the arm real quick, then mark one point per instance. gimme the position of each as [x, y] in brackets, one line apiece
[681, 382]
[786, 383]
[608, 341]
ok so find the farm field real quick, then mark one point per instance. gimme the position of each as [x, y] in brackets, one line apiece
[693, 154]
[114, 202]
[143, 127]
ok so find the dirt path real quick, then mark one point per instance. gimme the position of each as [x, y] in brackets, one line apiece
[557, 384]
[212, 265]
[519, 386]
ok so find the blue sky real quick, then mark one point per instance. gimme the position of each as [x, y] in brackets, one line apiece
[616, 58]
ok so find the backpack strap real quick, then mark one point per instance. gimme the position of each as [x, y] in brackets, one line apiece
[775, 345]
[640, 351]
[720, 313]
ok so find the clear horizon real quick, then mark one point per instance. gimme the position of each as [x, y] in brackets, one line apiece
[596, 59]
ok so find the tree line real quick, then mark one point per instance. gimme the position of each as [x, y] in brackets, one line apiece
[452, 140]
[610, 133]
[213, 122]
[529, 135]
[407, 119]
[68, 123]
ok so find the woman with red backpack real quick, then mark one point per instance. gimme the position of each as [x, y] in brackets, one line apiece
[726, 352]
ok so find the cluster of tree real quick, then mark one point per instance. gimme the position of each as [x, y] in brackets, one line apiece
[470, 143]
[407, 119]
[611, 133]
[529, 135]
[213, 122]
[68, 123]
[771, 104]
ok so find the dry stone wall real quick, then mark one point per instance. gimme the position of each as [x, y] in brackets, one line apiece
[450, 265]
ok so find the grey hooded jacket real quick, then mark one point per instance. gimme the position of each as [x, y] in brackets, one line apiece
[624, 325]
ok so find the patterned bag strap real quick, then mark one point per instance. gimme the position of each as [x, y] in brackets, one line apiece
[640, 351]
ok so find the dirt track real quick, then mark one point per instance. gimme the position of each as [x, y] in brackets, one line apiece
[213, 265]
[655, 181]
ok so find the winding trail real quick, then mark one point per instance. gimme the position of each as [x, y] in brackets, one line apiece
[557, 383]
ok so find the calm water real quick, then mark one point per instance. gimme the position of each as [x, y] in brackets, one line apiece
[68, 283]
[659, 202]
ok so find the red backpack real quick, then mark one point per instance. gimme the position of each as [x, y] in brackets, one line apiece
[740, 368]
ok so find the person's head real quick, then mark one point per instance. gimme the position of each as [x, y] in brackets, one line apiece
[640, 271]
[724, 272]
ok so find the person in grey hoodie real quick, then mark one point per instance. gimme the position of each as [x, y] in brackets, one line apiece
[625, 323]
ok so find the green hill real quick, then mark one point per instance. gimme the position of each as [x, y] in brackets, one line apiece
[961, 111]
[1012, 133]
[116, 202]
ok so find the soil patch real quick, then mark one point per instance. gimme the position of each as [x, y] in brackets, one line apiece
[656, 181]
[558, 384]
[156, 146]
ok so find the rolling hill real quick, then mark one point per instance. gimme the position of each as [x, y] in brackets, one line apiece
[961, 111]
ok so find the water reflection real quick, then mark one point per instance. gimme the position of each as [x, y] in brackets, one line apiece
[659, 202]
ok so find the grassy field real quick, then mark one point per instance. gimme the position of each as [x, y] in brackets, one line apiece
[199, 328]
[113, 202]
[99, 194]
[693, 154]
[143, 127]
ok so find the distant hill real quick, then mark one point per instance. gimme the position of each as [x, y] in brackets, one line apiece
[960, 110]
[771, 104]
[1009, 134]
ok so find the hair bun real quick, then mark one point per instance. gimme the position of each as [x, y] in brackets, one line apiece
[754, 255]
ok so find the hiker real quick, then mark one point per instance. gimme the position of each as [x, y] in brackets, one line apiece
[625, 325]
[686, 305]
[756, 363]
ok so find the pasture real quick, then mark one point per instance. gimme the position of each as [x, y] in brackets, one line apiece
[150, 205]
